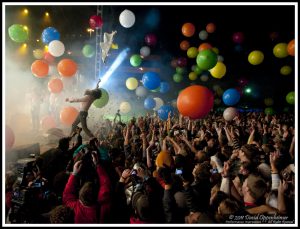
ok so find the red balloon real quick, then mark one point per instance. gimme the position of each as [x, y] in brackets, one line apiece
[68, 115]
[204, 46]
[48, 122]
[49, 58]
[151, 39]
[195, 101]
[40, 68]
[184, 45]
[291, 48]
[210, 27]
[67, 68]
[9, 137]
[238, 37]
[188, 29]
[55, 85]
[96, 22]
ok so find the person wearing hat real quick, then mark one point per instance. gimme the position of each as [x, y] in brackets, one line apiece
[89, 97]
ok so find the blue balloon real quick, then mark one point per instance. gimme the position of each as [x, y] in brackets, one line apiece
[149, 103]
[164, 87]
[231, 97]
[163, 112]
[50, 34]
[151, 80]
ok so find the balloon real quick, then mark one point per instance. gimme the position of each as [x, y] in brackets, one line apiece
[197, 70]
[216, 50]
[269, 111]
[256, 57]
[174, 63]
[38, 53]
[192, 52]
[180, 70]
[40, 68]
[68, 115]
[204, 78]
[48, 122]
[285, 70]
[149, 103]
[18, 33]
[145, 51]
[238, 37]
[67, 68]
[218, 71]
[181, 62]
[127, 18]
[95, 22]
[188, 29]
[164, 87]
[131, 83]
[203, 35]
[210, 27]
[280, 50]
[206, 59]
[141, 91]
[49, 58]
[184, 45]
[204, 46]
[195, 101]
[151, 39]
[291, 48]
[268, 102]
[163, 112]
[125, 107]
[88, 51]
[99, 103]
[56, 48]
[158, 103]
[290, 97]
[55, 85]
[135, 60]
[220, 58]
[229, 113]
[50, 34]
[9, 137]
[193, 76]
[231, 97]
[151, 80]
[177, 77]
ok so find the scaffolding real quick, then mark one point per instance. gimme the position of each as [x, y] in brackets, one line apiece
[98, 62]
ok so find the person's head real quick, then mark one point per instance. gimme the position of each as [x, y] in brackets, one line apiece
[201, 156]
[61, 214]
[201, 171]
[226, 208]
[246, 168]
[248, 153]
[63, 143]
[88, 194]
[254, 188]
[198, 217]
[141, 206]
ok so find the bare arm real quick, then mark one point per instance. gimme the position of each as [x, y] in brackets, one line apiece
[76, 100]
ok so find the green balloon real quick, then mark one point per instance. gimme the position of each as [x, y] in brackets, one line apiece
[99, 103]
[18, 33]
[269, 111]
[207, 59]
[290, 97]
[177, 77]
[180, 70]
[88, 51]
[198, 70]
[135, 60]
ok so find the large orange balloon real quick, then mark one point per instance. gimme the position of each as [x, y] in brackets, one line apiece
[195, 101]
[184, 45]
[204, 46]
[67, 67]
[68, 115]
[291, 48]
[210, 27]
[55, 85]
[188, 29]
[40, 68]
[9, 137]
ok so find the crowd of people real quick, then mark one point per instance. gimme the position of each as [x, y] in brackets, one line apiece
[149, 171]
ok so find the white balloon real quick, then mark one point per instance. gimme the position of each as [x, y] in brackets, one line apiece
[229, 113]
[38, 53]
[220, 58]
[125, 107]
[203, 35]
[140, 91]
[158, 103]
[145, 51]
[56, 48]
[174, 103]
[204, 78]
[127, 18]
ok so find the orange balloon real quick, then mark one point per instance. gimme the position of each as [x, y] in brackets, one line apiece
[67, 67]
[291, 48]
[68, 115]
[184, 45]
[210, 27]
[195, 101]
[204, 46]
[55, 85]
[40, 68]
[48, 122]
[188, 29]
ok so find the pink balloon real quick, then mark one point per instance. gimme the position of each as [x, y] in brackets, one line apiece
[96, 22]
[238, 37]
[48, 122]
[151, 39]
[49, 58]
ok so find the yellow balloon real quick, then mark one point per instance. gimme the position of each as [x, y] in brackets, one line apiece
[38, 53]
[268, 102]
[192, 76]
[286, 70]
[256, 57]
[218, 71]
[216, 50]
[125, 107]
[280, 50]
[132, 83]
[192, 52]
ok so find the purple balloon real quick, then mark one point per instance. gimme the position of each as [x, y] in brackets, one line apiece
[238, 37]
[151, 39]
[181, 61]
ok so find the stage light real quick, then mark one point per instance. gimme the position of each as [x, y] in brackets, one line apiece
[25, 11]
[47, 14]
[23, 49]
[25, 27]
[248, 90]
